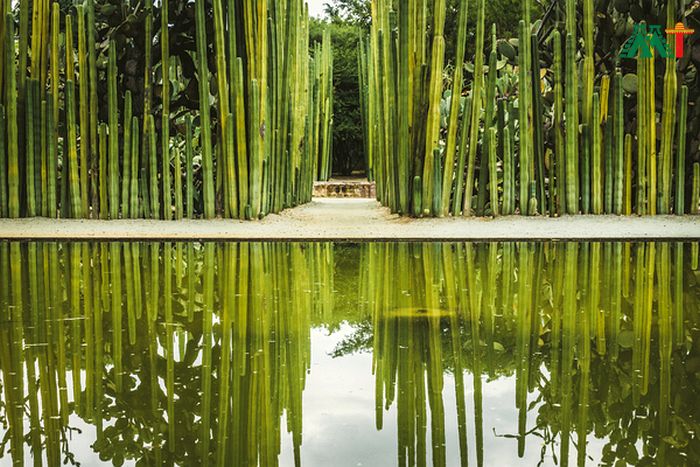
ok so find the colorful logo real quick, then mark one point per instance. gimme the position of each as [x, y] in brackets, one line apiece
[645, 41]
[679, 32]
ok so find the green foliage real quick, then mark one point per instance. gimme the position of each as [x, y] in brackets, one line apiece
[348, 149]
[505, 14]
[354, 12]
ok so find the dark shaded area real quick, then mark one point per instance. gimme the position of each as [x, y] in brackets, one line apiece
[348, 149]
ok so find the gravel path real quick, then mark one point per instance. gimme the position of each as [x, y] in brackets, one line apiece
[361, 220]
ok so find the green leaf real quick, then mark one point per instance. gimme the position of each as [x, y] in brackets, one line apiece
[629, 83]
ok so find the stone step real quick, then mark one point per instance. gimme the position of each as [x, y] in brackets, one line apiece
[345, 189]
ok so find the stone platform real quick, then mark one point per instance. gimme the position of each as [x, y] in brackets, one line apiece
[351, 188]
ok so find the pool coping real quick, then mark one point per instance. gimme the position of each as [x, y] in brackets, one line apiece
[285, 229]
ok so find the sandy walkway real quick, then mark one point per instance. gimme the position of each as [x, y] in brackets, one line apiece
[360, 220]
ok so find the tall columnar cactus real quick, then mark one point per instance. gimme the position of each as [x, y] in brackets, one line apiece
[485, 166]
[83, 79]
[695, 193]
[72, 132]
[12, 135]
[572, 147]
[628, 175]
[668, 120]
[206, 142]
[618, 134]
[93, 104]
[524, 120]
[3, 10]
[681, 149]
[588, 70]
[29, 155]
[134, 202]
[323, 62]
[52, 156]
[558, 127]
[102, 164]
[113, 133]
[189, 176]
[596, 159]
[642, 137]
[432, 136]
[493, 171]
[127, 166]
[449, 177]
[165, 122]
[3, 165]
[650, 124]
[476, 108]
[462, 159]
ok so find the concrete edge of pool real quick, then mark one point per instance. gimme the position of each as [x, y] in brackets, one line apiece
[358, 220]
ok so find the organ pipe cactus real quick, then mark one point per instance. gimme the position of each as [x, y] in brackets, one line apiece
[476, 109]
[572, 147]
[30, 152]
[203, 68]
[84, 104]
[279, 135]
[127, 162]
[524, 120]
[680, 163]
[618, 134]
[73, 173]
[596, 159]
[489, 114]
[435, 93]
[493, 171]
[537, 169]
[449, 177]
[558, 123]
[668, 120]
[12, 135]
[3, 165]
[695, 193]
[134, 165]
[165, 123]
[93, 104]
[113, 133]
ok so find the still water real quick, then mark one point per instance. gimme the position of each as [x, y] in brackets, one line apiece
[349, 355]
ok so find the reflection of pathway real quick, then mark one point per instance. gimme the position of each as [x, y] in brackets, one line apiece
[361, 219]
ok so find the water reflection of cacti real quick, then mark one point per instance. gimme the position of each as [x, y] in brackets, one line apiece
[591, 341]
[189, 353]
[230, 354]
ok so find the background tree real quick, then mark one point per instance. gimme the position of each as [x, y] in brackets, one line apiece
[348, 154]
[348, 19]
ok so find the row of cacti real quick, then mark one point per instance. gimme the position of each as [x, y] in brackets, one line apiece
[260, 153]
[431, 164]
[91, 328]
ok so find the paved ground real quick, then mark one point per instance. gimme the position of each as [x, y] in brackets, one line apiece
[361, 220]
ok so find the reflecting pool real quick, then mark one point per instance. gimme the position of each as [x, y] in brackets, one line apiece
[376, 354]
